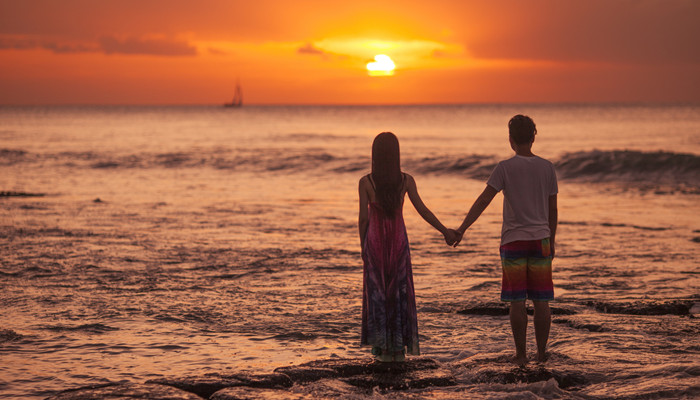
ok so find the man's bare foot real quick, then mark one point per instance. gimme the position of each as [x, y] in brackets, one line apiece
[519, 360]
[542, 357]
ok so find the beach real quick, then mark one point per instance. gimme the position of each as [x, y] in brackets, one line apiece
[144, 243]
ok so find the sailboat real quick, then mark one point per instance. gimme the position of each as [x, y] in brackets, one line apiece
[237, 98]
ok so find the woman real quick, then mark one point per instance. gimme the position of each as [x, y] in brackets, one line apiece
[389, 321]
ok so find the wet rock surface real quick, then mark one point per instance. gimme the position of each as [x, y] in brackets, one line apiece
[361, 373]
[674, 307]
[329, 379]
[581, 325]
[566, 380]
[487, 369]
[403, 380]
[20, 194]
[501, 308]
[126, 391]
[367, 373]
[8, 335]
[248, 393]
[208, 384]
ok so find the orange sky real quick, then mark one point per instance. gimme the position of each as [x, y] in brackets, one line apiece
[315, 52]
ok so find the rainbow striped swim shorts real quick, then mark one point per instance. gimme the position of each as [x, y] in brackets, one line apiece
[527, 271]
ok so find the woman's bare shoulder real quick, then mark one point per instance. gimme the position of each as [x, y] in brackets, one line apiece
[409, 179]
[365, 182]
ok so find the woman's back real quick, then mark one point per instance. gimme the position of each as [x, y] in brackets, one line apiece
[389, 320]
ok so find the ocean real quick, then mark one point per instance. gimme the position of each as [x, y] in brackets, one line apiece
[145, 242]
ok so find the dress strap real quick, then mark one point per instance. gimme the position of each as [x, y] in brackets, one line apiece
[369, 176]
[403, 181]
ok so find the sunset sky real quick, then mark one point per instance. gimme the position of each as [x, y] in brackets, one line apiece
[316, 52]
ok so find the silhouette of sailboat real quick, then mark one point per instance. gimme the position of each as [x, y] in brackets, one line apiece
[237, 98]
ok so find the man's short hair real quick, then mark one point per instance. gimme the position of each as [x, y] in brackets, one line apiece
[522, 129]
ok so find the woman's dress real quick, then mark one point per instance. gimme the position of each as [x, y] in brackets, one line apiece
[389, 321]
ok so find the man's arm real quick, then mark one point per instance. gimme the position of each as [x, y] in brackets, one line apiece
[477, 208]
[553, 220]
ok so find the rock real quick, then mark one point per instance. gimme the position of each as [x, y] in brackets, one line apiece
[331, 389]
[269, 381]
[493, 308]
[208, 384]
[302, 374]
[248, 393]
[367, 373]
[404, 380]
[126, 391]
[320, 369]
[363, 373]
[485, 309]
[579, 325]
[695, 309]
[20, 194]
[675, 307]
[561, 311]
[7, 335]
[528, 375]
[343, 368]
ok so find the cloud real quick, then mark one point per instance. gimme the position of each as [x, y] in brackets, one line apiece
[32, 43]
[106, 44]
[69, 48]
[309, 48]
[155, 47]
[648, 32]
[15, 43]
[217, 52]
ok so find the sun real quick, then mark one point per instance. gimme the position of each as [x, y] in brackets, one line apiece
[381, 66]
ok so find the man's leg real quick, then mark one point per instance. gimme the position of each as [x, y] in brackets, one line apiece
[541, 290]
[518, 323]
[514, 291]
[543, 321]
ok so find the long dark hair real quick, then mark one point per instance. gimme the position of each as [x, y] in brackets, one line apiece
[386, 171]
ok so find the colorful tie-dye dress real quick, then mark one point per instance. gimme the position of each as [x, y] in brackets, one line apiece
[389, 321]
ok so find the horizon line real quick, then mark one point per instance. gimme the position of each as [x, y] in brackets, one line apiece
[494, 103]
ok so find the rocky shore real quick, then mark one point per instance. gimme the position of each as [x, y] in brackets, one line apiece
[361, 377]
[324, 379]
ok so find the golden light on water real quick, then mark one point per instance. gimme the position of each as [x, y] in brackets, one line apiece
[381, 66]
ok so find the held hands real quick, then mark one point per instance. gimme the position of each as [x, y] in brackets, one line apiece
[452, 237]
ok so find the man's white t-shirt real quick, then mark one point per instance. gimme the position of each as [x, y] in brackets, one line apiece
[527, 183]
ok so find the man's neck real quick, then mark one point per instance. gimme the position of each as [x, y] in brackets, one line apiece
[524, 151]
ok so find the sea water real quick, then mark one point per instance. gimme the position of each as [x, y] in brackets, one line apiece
[143, 242]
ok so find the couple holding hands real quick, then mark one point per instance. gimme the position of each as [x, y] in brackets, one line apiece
[529, 185]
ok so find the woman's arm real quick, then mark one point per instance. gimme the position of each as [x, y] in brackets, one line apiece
[363, 218]
[428, 216]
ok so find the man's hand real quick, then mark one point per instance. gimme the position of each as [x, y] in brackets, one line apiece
[453, 237]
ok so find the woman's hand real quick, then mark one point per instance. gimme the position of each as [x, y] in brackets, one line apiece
[452, 237]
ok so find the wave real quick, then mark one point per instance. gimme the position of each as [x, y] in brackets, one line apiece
[655, 168]
[635, 166]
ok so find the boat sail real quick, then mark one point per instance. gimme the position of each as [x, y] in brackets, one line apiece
[237, 98]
